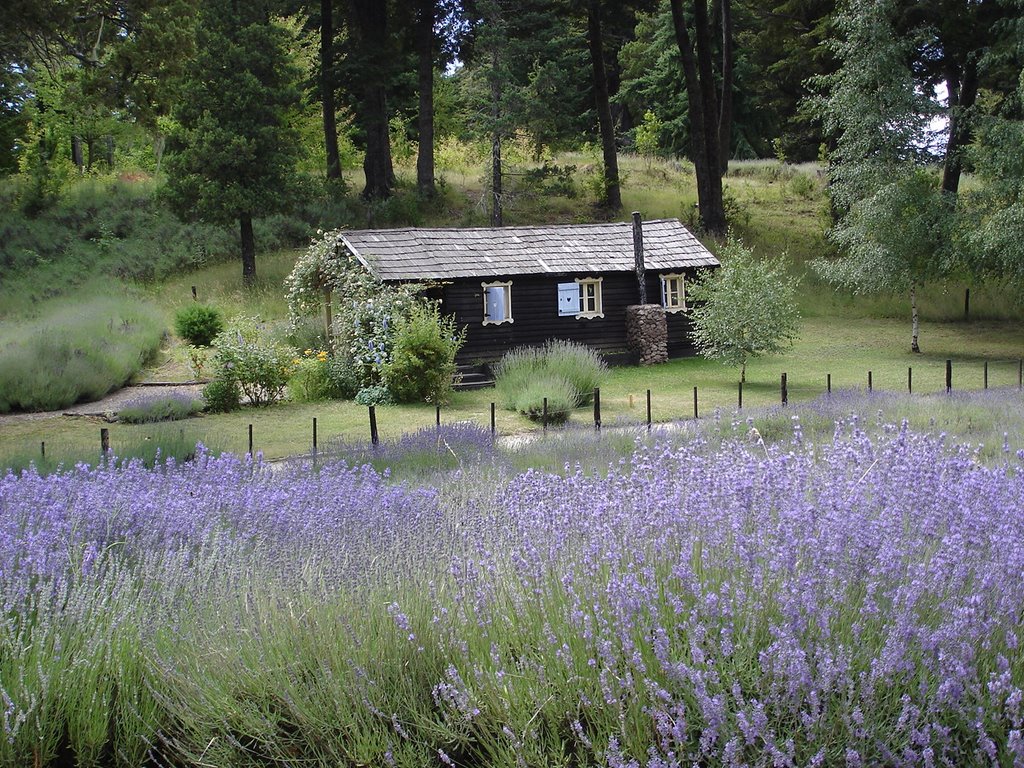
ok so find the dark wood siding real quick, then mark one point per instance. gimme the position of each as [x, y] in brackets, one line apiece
[536, 319]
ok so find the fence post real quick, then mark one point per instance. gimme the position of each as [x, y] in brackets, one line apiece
[648, 410]
[910, 380]
[545, 415]
[494, 424]
[986, 374]
[696, 415]
[104, 441]
[250, 440]
[967, 303]
[1020, 373]
[740, 406]
[869, 381]
[784, 390]
[828, 383]
[437, 414]
[949, 376]
[597, 408]
[195, 296]
[374, 437]
[314, 435]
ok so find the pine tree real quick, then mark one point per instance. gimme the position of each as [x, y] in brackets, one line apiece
[233, 152]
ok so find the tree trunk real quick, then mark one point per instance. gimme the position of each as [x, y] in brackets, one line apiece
[612, 197]
[327, 88]
[77, 157]
[328, 320]
[914, 325]
[963, 93]
[248, 249]
[380, 174]
[725, 101]
[370, 17]
[495, 144]
[425, 120]
[709, 180]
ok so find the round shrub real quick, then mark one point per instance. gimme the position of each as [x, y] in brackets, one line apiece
[375, 395]
[222, 396]
[561, 396]
[423, 357]
[198, 324]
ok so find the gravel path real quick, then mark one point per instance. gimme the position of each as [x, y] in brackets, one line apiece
[110, 404]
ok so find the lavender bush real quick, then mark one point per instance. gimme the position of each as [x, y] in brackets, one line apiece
[727, 602]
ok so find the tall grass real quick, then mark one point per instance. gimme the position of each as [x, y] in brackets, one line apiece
[79, 351]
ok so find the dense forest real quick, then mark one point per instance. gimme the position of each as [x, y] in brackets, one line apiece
[244, 110]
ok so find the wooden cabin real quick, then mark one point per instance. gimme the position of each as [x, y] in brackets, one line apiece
[513, 286]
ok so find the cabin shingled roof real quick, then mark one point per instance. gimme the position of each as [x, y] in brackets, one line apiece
[449, 253]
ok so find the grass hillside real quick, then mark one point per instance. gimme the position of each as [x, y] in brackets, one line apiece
[110, 249]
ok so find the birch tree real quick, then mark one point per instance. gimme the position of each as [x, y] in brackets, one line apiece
[745, 309]
[894, 220]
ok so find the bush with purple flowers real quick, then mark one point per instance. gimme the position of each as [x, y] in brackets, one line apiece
[856, 601]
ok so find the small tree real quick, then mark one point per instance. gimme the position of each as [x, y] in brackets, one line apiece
[647, 136]
[745, 309]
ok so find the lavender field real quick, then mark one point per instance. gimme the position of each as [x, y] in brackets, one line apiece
[709, 599]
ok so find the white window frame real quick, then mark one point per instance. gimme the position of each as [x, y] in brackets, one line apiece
[598, 301]
[678, 302]
[507, 285]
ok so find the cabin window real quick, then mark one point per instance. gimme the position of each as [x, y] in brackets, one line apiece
[497, 303]
[580, 298]
[590, 297]
[673, 293]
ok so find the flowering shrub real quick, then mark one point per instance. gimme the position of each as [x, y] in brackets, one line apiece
[311, 379]
[851, 603]
[260, 367]
[365, 312]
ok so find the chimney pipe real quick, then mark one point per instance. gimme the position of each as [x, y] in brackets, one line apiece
[638, 255]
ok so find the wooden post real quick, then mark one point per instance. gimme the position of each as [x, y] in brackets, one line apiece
[648, 410]
[597, 408]
[374, 437]
[314, 435]
[949, 376]
[828, 383]
[195, 296]
[910, 380]
[986, 374]
[638, 256]
[250, 439]
[438, 415]
[104, 441]
[494, 424]
[869, 381]
[1020, 373]
[696, 415]
[967, 303]
[740, 405]
[784, 390]
[42, 449]
[545, 415]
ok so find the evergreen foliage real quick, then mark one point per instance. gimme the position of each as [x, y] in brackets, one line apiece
[234, 148]
[198, 324]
